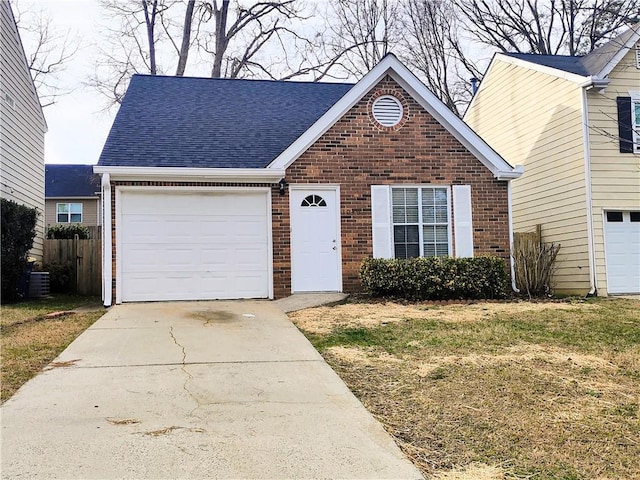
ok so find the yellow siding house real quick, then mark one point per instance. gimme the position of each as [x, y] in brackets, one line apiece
[573, 122]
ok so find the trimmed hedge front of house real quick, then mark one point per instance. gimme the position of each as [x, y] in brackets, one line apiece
[435, 278]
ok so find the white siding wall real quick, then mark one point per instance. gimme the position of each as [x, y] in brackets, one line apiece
[535, 119]
[615, 176]
[22, 128]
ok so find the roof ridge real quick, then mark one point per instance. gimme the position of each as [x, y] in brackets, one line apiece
[256, 80]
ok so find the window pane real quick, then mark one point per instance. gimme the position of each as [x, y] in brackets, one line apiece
[399, 234]
[76, 207]
[397, 195]
[441, 197]
[63, 207]
[412, 234]
[428, 197]
[413, 250]
[634, 216]
[429, 234]
[411, 196]
[442, 234]
[442, 250]
[76, 217]
[63, 218]
[429, 250]
[441, 214]
[401, 251]
[428, 214]
[412, 214]
[614, 216]
[399, 214]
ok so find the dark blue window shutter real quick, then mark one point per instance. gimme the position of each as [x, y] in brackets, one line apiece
[625, 130]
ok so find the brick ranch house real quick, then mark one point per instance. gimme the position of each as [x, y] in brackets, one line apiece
[222, 189]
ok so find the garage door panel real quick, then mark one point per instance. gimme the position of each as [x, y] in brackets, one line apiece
[622, 251]
[177, 246]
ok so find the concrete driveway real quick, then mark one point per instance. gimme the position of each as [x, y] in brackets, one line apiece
[193, 390]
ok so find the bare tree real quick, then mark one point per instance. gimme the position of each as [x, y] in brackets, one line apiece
[432, 46]
[158, 36]
[360, 33]
[548, 27]
[48, 52]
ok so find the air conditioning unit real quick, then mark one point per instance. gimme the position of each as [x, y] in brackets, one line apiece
[39, 284]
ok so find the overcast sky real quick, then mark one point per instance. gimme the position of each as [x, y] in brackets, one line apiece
[77, 127]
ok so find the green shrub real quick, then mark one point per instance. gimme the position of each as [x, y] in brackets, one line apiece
[61, 278]
[435, 278]
[61, 232]
[18, 232]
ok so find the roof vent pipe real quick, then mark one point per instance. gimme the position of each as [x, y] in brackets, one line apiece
[475, 84]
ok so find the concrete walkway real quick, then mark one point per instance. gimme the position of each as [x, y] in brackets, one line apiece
[193, 390]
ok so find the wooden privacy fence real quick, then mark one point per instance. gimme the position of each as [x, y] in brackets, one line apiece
[84, 257]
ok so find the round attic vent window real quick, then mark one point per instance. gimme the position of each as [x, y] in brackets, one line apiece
[387, 111]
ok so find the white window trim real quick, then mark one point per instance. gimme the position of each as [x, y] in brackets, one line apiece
[69, 212]
[420, 222]
[635, 126]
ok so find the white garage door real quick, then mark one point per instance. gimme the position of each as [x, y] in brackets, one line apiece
[622, 248]
[193, 245]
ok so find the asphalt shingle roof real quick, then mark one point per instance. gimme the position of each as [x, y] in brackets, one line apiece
[70, 181]
[212, 123]
[591, 64]
[566, 63]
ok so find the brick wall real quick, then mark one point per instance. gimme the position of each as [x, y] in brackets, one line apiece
[357, 152]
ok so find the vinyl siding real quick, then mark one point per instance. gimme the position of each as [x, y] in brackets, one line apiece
[535, 120]
[89, 211]
[615, 176]
[22, 129]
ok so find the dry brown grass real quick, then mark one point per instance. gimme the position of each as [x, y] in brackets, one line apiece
[536, 406]
[30, 339]
[323, 320]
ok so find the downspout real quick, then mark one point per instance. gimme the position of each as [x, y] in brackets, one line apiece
[107, 253]
[587, 178]
[511, 256]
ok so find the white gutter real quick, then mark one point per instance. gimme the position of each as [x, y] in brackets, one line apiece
[107, 269]
[227, 175]
[587, 179]
[511, 257]
[510, 174]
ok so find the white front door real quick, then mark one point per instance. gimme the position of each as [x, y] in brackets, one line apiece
[315, 242]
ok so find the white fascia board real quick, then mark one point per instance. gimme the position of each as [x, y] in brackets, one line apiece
[460, 130]
[402, 75]
[555, 72]
[621, 53]
[227, 175]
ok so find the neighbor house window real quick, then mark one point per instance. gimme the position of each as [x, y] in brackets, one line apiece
[420, 222]
[69, 212]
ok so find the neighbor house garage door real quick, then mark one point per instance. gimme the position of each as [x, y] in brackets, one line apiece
[192, 245]
[622, 248]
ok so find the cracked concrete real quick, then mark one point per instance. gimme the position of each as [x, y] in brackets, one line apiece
[266, 403]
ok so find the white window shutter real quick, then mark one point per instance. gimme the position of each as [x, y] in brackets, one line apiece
[381, 221]
[462, 224]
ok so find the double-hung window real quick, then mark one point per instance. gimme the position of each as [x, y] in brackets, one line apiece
[69, 212]
[420, 221]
